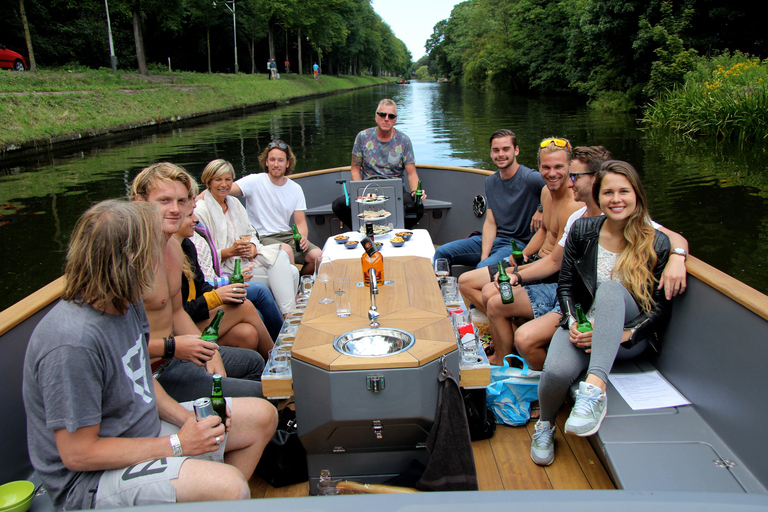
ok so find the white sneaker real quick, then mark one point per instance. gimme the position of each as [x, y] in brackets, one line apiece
[588, 411]
[543, 444]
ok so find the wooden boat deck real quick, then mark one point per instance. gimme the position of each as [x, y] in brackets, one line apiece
[504, 463]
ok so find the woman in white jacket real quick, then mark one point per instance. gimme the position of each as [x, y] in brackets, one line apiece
[227, 220]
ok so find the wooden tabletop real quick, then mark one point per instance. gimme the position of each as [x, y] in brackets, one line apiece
[412, 302]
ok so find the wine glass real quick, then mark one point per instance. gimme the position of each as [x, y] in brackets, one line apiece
[441, 267]
[324, 274]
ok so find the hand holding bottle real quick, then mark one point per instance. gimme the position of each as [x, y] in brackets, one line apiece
[199, 437]
[233, 293]
[191, 348]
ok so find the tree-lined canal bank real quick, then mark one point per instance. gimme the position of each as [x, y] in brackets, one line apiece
[38, 110]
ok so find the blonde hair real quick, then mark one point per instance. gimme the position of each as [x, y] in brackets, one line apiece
[285, 148]
[113, 252]
[215, 169]
[638, 257]
[147, 179]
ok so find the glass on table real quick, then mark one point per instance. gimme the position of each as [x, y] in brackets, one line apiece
[441, 267]
[279, 361]
[324, 268]
[306, 286]
[343, 303]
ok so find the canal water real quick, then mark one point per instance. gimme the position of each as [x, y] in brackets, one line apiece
[715, 195]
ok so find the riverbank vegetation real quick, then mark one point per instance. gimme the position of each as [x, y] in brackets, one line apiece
[726, 98]
[619, 53]
[77, 102]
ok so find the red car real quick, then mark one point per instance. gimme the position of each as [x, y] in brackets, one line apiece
[11, 60]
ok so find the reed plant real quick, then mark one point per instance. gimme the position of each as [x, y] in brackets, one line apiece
[726, 97]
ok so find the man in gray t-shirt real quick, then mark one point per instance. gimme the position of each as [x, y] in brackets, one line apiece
[513, 194]
[93, 409]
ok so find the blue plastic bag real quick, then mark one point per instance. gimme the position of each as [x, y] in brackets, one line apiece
[511, 392]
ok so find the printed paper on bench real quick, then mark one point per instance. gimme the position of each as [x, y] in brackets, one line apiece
[647, 390]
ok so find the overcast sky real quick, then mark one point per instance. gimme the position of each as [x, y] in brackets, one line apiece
[412, 21]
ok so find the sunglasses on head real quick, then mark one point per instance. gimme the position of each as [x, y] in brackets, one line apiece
[575, 175]
[560, 143]
[385, 114]
[280, 145]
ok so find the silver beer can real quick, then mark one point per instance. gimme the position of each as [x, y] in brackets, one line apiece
[203, 408]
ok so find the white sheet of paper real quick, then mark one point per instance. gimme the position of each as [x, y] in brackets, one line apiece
[647, 390]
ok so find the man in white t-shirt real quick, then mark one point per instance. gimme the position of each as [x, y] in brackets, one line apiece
[532, 338]
[271, 200]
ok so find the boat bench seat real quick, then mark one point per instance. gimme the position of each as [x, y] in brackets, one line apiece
[325, 209]
[710, 352]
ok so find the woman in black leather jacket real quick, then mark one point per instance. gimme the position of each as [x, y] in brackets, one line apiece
[611, 267]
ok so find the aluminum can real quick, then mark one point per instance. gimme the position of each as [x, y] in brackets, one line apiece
[203, 408]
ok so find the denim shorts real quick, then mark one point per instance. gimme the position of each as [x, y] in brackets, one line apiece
[543, 298]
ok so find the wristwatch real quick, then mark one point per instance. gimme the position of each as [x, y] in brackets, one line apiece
[680, 252]
[540, 208]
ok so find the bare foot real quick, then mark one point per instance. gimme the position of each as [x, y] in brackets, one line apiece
[535, 410]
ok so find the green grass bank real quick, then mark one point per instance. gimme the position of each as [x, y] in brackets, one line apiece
[43, 108]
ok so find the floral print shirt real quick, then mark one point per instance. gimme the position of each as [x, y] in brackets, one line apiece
[385, 159]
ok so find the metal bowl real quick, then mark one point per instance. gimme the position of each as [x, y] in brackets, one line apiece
[374, 342]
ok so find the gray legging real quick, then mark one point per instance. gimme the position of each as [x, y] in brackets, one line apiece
[614, 306]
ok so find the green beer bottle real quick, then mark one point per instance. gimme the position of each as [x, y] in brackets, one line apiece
[217, 399]
[517, 254]
[417, 195]
[211, 333]
[505, 287]
[296, 239]
[237, 275]
[582, 324]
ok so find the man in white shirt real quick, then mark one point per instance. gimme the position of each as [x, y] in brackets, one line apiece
[271, 200]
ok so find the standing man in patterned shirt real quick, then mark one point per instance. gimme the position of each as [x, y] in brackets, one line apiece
[384, 152]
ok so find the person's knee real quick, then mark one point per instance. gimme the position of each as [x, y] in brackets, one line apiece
[609, 290]
[232, 485]
[493, 305]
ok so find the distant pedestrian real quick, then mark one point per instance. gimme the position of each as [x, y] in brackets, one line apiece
[316, 70]
[272, 69]
[287, 66]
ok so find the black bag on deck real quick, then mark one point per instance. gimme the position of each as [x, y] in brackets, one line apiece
[284, 461]
[482, 422]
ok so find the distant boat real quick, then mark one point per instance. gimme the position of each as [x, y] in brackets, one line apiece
[403, 81]
[443, 80]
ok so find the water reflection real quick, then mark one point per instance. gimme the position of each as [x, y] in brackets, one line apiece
[713, 194]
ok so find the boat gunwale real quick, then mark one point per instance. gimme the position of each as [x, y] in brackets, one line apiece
[729, 286]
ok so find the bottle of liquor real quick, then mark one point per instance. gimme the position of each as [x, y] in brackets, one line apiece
[517, 254]
[217, 399]
[417, 195]
[505, 286]
[372, 258]
[237, 275]
[211, 333]
[296, 239]
[582, 324]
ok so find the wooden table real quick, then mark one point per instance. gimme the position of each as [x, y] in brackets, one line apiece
[411, 302]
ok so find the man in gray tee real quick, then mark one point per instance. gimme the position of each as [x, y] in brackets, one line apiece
[513, 194]
[94, 428]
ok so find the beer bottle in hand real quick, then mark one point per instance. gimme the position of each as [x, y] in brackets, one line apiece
[582, 324]
[217, 399]
[371, 258]
[237, 274]
[211, 333]
[296, 239]
[417, 195]
[505, 286]
[517, 254]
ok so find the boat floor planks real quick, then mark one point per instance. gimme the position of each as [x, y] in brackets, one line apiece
[504, 463]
